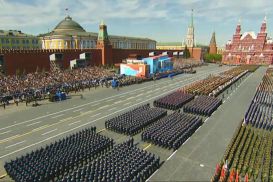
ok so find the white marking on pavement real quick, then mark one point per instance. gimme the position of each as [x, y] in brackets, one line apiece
[15, 144]
[206, 120]
[105, 116]
[113, 108]
[151, 176]
[96, 114]
[139, 95]
[74, 122]
[202, 165]
[78, 110]
[110, 100]
[197, 77]
[34, 123]
[49, 131]
[103, 107]
[5, 132]
[118, 102]
[171, 155]
[186, 141]
[128, 103]
[57, 116]
[130, 98]
[95, 104]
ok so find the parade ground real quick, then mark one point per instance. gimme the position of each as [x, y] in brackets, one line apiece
[25, 128]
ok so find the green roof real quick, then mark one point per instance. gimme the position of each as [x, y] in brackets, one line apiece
[15, 33]
[169, 44]
[69, 27]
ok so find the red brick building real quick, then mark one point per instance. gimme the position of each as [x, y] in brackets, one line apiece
[12, 60]
[213, 45]
[249, 48]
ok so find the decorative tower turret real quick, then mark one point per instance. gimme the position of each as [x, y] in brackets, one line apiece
[237, 35]
[238, 28]
[103, 35]
[103, 43]
[263, 27]
[212, 45]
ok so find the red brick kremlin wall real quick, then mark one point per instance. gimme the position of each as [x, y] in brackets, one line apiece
[120, 54]
[29, 60]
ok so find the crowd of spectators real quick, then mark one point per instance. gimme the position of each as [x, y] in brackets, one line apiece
[39, 85]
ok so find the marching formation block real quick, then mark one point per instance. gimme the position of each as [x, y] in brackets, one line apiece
[172, 131]
[259, 113]
[215, 84]
[61, 157]
[174, 100]
[125, 162]
[203, 105]
[132, 122]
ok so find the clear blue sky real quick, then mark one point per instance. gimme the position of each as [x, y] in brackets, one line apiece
[162, 20]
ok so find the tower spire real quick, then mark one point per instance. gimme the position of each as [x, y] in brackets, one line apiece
[190, 42]
[191, 18]
[263, 27]
[212, 45]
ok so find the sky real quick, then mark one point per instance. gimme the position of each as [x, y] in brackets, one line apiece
[161, 20]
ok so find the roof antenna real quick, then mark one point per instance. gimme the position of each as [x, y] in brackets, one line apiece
[66, 12]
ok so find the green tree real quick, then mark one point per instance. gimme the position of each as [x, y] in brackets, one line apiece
[186, 53]
[17, 72]
[212, 58]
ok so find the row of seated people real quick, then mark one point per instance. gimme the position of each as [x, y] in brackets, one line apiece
[60, 157]
[125, 162]
[172, 131]
[203, 105]
[174, 100]
[132, 122]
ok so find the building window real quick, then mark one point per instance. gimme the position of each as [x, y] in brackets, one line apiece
[2, 41]
[7, 41]
[17, 41]
[27, 41]
[13, 41]
[23, 41]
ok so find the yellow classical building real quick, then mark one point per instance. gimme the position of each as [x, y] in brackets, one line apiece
[170, 46]
[68, 34]
[15, 39]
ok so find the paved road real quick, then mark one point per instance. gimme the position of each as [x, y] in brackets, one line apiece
[23, 130]
[196, 159]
